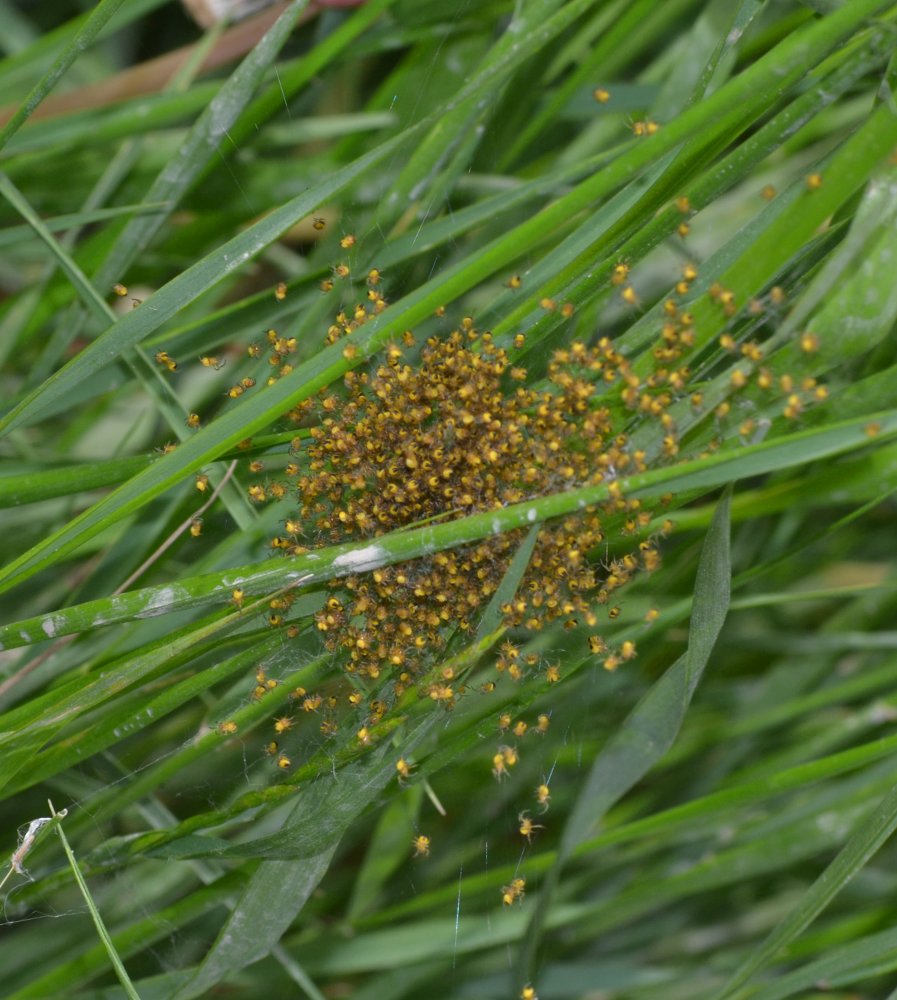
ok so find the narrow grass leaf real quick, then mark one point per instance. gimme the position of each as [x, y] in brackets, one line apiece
[111, 951]
[17, 488]
[13, 235]
[861, 959]
[850, 860]
[95, 304]
[652, 726]
[492, 616]
[292, 78]
[98, 18]
[201, 143]
[278, 890]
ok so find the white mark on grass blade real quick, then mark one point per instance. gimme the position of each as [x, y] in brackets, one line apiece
[159, 603]
[49, 627]
[361, 560]
[531, 515]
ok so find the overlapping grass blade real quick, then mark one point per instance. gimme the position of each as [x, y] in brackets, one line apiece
[91, 28]
[649, 731]
[278, 890]
[778, 70]
[863, 844]
[699, 475]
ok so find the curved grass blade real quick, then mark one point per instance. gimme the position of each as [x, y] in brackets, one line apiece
[458, 131]
[201, 143]
[275, 894]
[652, 726]
[862, 959]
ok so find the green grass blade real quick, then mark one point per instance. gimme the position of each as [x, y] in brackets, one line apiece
[18, 488]
[202, 142]
[91, 28]
[95, 304]
[650, 730]
[292, 79]
[862, 845]
[276, 892]
[492, 616]
[863, 958]
[279, 889]
[14, 234]
[111, 951]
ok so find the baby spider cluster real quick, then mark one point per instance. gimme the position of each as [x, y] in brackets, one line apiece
[455, 434]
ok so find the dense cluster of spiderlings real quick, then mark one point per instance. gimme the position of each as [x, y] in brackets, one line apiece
[458, 433]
